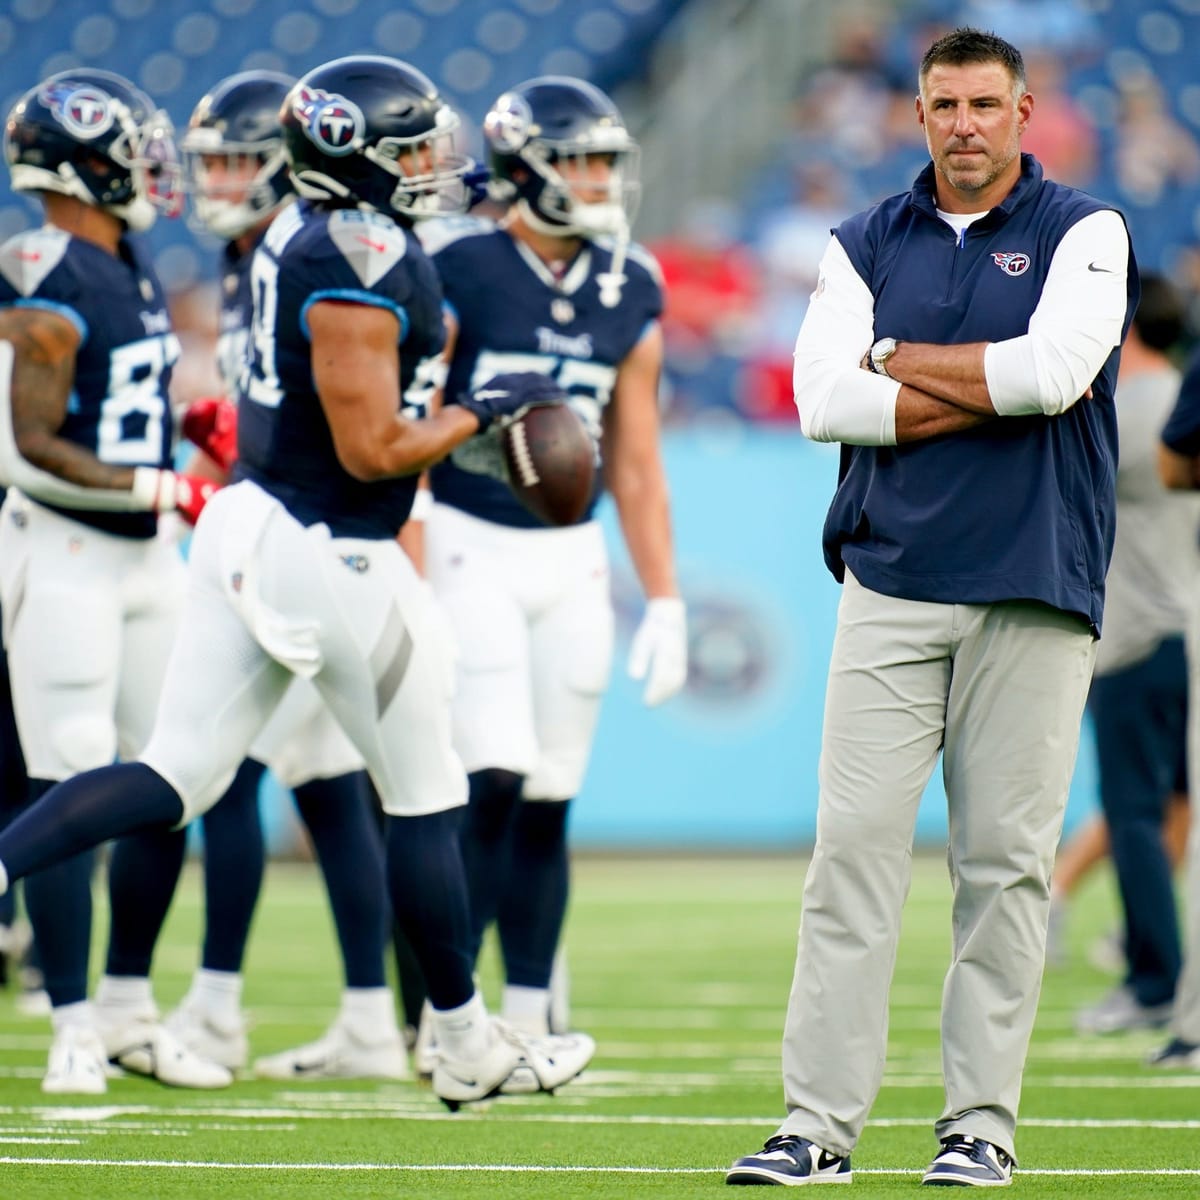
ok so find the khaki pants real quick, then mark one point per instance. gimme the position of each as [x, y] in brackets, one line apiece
[1000, 689]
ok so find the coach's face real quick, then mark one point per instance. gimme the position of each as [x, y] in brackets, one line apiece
[973, 117]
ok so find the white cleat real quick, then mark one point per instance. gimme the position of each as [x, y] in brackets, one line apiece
[548, 1063]
[78, 1063]
[146, 1047]
[514, 1065]
[224, 1043]
[339, 1054]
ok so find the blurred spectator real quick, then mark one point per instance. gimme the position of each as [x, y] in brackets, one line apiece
[790, 245]
[712, 293]
[711, 281]
[1060, 135]
[1064, 28]
[1153, 151]
[843, 108]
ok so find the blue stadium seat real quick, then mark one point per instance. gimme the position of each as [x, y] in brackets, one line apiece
[472, 49]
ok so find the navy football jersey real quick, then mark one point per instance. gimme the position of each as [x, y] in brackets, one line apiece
[119, 408]
[310, 254]
[237, 305]
[515, 315]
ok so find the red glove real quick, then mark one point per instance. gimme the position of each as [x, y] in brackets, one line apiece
[191, 495]
[211, 424]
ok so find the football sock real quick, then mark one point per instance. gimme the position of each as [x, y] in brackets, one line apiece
[218, 993]
[527, 1009]
[340, 819]
[532, 910]
[369, 1012]
[234, 858]
[429, 898]
[75, 1014]
[84, 811]
[129, 995]
[142, 874]
[462, 1031]
[58, 900]
[495, 796]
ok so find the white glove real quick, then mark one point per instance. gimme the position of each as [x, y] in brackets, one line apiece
[660, 650]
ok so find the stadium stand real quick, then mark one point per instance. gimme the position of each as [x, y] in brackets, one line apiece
[471, 48]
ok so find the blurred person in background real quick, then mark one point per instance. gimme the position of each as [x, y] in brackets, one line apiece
[1139, 695]
[1179, 469]
[555, 286]
[91, 581]
[295, 570]
[1154, 153]
[238, 181]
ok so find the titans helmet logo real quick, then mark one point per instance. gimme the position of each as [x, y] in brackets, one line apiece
[507, 126]
[1011, 262]
[83, 110]
[332, 123]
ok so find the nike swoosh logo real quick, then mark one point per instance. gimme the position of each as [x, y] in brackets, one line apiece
[309, 1068]
[1100, 270]
[826, 1160]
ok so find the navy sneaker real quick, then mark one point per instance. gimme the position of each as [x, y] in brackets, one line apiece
[790, 1160]
[966, 1161]
[1176, 1053]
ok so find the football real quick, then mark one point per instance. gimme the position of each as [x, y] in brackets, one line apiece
[551, 462]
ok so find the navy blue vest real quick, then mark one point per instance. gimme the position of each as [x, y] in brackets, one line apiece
[1019, 508]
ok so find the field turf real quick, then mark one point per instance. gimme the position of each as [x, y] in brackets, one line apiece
[680, 969]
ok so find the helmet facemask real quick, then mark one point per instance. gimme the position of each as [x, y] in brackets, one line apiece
[566, 173]
[148, 152]
[428, 167]
[249, 186]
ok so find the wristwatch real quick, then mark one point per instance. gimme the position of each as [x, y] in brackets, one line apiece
[880, 353]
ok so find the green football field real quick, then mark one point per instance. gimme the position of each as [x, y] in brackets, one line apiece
[680, 970]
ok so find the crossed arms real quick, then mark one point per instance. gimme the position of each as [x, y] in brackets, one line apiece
[943, 389]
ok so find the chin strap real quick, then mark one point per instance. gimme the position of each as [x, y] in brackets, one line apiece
[613, 280]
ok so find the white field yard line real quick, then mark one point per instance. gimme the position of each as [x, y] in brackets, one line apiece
[521, 1168]
[345, 1108]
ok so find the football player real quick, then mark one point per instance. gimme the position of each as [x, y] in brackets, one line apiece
[237, 175]
[91, 587]
[295, 569]
[555, 287]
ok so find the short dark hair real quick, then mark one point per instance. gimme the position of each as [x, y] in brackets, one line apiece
[967, 45]
[1160, 315]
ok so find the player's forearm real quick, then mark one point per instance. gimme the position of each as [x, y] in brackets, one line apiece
[953, 374]
[1178, 471]
[644, 511]
[415, 446]
[920, 416]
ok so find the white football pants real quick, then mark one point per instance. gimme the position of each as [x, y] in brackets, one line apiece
[269, 600]
[89, 618]
[532, 617]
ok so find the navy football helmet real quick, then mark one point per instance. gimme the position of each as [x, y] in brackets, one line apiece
[372, 132]
[93, 135]
[233, 153]
[533, 129]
